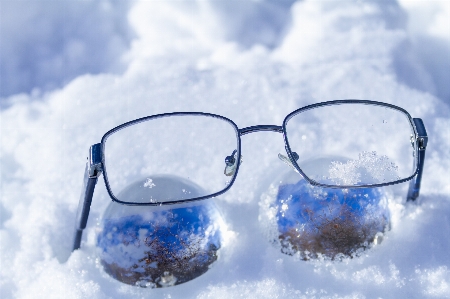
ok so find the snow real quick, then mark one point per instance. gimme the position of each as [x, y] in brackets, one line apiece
[379, 168]
[253, 62]
[47, 45]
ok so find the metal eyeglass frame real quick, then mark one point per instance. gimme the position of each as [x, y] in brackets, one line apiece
[95, 165]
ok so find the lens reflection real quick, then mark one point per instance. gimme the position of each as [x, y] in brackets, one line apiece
[314, 222]
[158, 246]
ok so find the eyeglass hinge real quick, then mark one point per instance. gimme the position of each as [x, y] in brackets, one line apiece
[95, 160]
[422, 144]
[422, 136]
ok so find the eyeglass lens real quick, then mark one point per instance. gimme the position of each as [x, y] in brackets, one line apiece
[352, 144]
[191, 148]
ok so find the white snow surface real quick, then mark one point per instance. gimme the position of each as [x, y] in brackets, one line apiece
[253, 62]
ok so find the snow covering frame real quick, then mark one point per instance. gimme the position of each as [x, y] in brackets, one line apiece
[95, 165]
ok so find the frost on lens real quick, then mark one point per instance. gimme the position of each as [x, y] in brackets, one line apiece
[369, 168]
[314, 222]
[149, 183]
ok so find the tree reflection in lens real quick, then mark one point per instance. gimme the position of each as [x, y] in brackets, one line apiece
[316, 222]
[159, 246]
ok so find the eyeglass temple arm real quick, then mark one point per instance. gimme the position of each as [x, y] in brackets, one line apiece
[92, 172]
[422, 140]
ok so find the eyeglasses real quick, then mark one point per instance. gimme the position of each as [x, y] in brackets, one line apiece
[336, 144]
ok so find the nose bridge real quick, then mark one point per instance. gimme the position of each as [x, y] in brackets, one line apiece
[252, 129]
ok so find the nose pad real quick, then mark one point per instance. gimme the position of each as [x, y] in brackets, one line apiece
[288, 161]
[412, 140]
[231, 164]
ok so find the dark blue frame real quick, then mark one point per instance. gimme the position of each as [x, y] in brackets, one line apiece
[96, 163]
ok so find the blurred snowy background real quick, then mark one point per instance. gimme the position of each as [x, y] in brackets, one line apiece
[71, 70]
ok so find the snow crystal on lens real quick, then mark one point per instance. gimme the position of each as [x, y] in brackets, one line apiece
[314, 222]
[377, 170]
[158, 246]
[149, 183]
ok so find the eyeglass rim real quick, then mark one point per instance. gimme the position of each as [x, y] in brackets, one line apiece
[349, 101]
[243, 131]
[156, 116]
